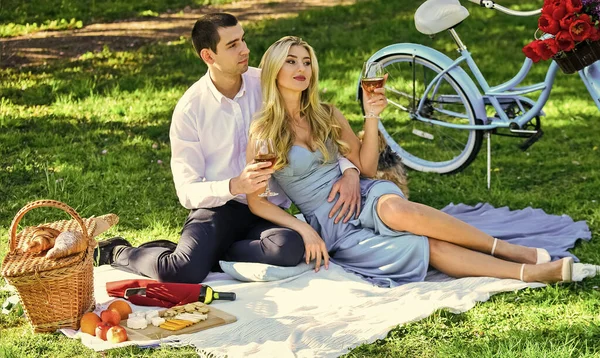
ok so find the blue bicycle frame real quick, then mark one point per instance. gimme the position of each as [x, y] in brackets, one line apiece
[471, 92]
[507, 91]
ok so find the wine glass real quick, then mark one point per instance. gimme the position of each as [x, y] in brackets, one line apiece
[372, 77]
[264, 151]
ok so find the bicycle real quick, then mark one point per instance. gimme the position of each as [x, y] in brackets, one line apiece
[439, 106]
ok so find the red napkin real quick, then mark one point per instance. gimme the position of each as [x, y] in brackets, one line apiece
[164, 294]
[117, 288]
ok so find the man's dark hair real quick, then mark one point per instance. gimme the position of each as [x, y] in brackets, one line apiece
[205, 33]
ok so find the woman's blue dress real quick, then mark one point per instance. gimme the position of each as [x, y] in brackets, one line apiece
[365, 246]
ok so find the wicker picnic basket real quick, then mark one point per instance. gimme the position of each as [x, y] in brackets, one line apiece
[54, 293]
[584, 54]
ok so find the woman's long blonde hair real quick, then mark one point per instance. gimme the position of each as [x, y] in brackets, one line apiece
[273, 121]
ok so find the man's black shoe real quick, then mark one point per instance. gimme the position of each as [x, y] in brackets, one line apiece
[160, 243]
[103, 253]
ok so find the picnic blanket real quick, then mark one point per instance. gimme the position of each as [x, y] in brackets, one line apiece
[327, 313]
[320, 314]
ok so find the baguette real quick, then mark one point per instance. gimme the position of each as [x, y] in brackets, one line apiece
[66, 244]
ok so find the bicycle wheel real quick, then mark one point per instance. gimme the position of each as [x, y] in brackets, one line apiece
[425, 146]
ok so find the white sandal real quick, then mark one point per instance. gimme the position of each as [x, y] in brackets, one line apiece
[566, 270]
[542, 255]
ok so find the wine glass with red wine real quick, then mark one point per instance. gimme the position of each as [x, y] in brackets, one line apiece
[264, 151]
[372, 77]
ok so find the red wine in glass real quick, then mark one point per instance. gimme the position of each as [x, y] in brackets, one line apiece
[264, 151]
[266, 158]
[371, 78]
[370, 84]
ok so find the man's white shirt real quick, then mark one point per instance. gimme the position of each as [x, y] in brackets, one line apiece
[209, 135]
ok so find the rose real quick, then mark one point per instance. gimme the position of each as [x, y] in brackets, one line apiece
[595, 34]
[580, 29]
[559, 10]
[549, 6]
[565, 41]
[574, 6]
[531, 53]
[546, 48]
[555, 9]
[547, 24]
[541, 49]
[566, 21]
[586, 18]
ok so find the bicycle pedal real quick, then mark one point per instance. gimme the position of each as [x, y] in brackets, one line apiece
[531, 140]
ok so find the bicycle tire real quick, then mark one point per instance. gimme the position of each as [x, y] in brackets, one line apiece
[426, 147]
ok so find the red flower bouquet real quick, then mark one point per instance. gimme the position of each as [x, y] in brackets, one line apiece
[573, 34]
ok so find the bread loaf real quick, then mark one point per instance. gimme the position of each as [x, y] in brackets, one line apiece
[42, 239]
[66, 244]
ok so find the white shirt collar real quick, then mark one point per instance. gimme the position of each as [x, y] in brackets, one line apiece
[217, 94]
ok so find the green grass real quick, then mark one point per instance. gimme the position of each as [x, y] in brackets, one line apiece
[18, 17]
[56, 121]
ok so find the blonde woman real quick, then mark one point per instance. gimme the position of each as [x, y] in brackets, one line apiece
[393, 240]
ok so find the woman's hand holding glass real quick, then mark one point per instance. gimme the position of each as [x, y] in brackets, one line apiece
[373, 80]
[314, 247]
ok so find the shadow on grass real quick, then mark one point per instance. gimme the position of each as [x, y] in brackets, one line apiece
[162, 66]
[89, 11]
[100, 166]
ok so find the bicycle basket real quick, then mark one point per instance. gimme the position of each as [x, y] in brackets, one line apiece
[584, 54]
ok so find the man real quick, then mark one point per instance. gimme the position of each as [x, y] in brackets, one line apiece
[209, 134]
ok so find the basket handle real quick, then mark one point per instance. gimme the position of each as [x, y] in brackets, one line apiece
[43, 203]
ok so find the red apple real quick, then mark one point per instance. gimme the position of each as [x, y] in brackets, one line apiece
[101, 330]
[116, 334]
[111, 316]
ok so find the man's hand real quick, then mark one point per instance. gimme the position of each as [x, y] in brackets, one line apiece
[253, 177]
[349, 201]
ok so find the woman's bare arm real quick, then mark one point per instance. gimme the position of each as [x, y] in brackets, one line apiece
[314, 245]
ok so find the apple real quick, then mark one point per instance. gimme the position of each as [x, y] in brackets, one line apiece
[116, 334]
[111, 316]
[101, 330]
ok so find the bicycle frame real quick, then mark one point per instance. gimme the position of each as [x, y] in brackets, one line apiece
[508, 90]
[452, 84]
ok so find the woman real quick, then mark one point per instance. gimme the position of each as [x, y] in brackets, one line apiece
[393, 240]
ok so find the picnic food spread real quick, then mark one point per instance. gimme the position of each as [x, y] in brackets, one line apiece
[109, 326]
[51, 267]
[173, 319]
[106, 326]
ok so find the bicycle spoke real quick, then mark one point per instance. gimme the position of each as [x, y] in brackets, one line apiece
[423, 145]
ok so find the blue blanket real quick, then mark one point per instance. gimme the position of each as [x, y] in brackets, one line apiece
[528, 227]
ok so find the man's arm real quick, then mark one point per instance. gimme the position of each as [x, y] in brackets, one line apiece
[188, 167]
[348, 188]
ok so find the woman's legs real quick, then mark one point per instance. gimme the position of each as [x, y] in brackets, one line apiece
[457, 261]
[403, 215]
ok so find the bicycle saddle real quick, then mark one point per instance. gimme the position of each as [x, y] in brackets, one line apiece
[435, 16]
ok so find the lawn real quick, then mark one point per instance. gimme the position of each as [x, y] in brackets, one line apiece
[93, 133]
[19, 17]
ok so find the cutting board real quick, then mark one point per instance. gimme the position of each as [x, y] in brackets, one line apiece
[216, 317]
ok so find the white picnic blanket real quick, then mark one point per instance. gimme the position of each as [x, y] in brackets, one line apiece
[321, 314]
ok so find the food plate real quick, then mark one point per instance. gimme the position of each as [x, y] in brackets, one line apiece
[216, 317]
